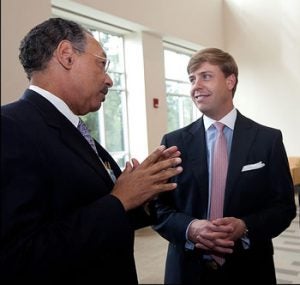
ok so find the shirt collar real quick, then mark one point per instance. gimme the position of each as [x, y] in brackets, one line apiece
[228, 120]
[58, 103]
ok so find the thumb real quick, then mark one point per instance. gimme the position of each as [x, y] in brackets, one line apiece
[135, 163]
[128, 167]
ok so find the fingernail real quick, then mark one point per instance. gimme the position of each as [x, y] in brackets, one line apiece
[179, 168]
[162, 147]
[177, 160]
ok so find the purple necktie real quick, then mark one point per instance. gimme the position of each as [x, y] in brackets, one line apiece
[82, 127]
[218, 180]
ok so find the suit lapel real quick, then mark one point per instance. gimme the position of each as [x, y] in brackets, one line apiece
[70, 136]
[195, 143]
[74, 140]
[243, 137]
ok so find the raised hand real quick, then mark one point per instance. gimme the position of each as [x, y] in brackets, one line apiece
[139, 183]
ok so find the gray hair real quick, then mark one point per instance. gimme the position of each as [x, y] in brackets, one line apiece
[38, 46]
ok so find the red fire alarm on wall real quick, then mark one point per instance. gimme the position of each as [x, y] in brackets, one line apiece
[155, 103]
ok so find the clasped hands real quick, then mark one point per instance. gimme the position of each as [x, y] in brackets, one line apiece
[218, 235]
[141, 182]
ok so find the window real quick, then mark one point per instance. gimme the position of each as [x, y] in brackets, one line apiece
[109, 124]
[181, 109]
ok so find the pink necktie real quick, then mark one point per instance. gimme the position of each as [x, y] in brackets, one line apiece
[218, 182]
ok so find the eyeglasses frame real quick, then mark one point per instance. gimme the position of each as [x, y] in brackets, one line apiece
[106, 60]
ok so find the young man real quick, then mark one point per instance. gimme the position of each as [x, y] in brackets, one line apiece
[222, 217]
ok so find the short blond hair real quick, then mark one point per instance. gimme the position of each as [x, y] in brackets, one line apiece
[217, 57]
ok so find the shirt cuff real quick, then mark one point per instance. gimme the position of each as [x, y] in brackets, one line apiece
[189, 244]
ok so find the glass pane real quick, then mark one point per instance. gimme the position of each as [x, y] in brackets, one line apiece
[175, 65]
[113, 121]
[180, 106]
[109, 124]
[173, 110]
[180, 111]
[113, 46]
[179, 88]
[120, 158]
[118, 80]
[187, 110]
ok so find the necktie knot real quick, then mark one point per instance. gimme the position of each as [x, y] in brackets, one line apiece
[219, 126]
[82, 127]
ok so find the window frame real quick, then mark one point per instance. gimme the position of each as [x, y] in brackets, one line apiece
[95, 25]
[180, 96]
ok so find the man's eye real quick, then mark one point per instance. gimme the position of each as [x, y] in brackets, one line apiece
[102, 63]
[206, 76]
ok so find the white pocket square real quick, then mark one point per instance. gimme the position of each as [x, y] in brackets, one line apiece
[253, 166]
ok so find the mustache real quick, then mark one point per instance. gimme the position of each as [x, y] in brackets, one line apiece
[104, 90]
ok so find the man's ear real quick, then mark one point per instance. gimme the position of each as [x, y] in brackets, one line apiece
[231, 81]
[65, 54]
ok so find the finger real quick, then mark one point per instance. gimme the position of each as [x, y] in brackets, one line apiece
[154, 156]
[164, 176]
[224, 243]
[175, 154]
[225, 229]
[159, 169]
[162, 187]
[208, 244]
[165, 165]
[135, 163]
[201, 246]
[215, 235]
[222, 221]
[217, 226]
[219, 245]
[223, 249]
[128, 167]
[171, 152]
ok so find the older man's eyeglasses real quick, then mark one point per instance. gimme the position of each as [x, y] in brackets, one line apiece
[104, 60]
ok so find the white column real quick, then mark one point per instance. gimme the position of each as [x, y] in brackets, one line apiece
[145, 81]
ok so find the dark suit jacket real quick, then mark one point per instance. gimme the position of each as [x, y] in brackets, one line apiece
[58, 220]
[263, 198]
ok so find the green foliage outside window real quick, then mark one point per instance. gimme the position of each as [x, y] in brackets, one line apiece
[181, 110]
[107, 125]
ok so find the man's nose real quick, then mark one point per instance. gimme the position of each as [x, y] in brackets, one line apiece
[108, 81]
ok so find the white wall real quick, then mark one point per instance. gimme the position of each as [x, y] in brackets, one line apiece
[264, 38]
[150, 22]
[17, 18]
[194, 21]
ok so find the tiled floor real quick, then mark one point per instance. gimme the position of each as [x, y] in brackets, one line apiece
[150, 252]
[287, 254]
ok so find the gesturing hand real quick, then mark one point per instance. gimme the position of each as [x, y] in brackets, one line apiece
[139, 183]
